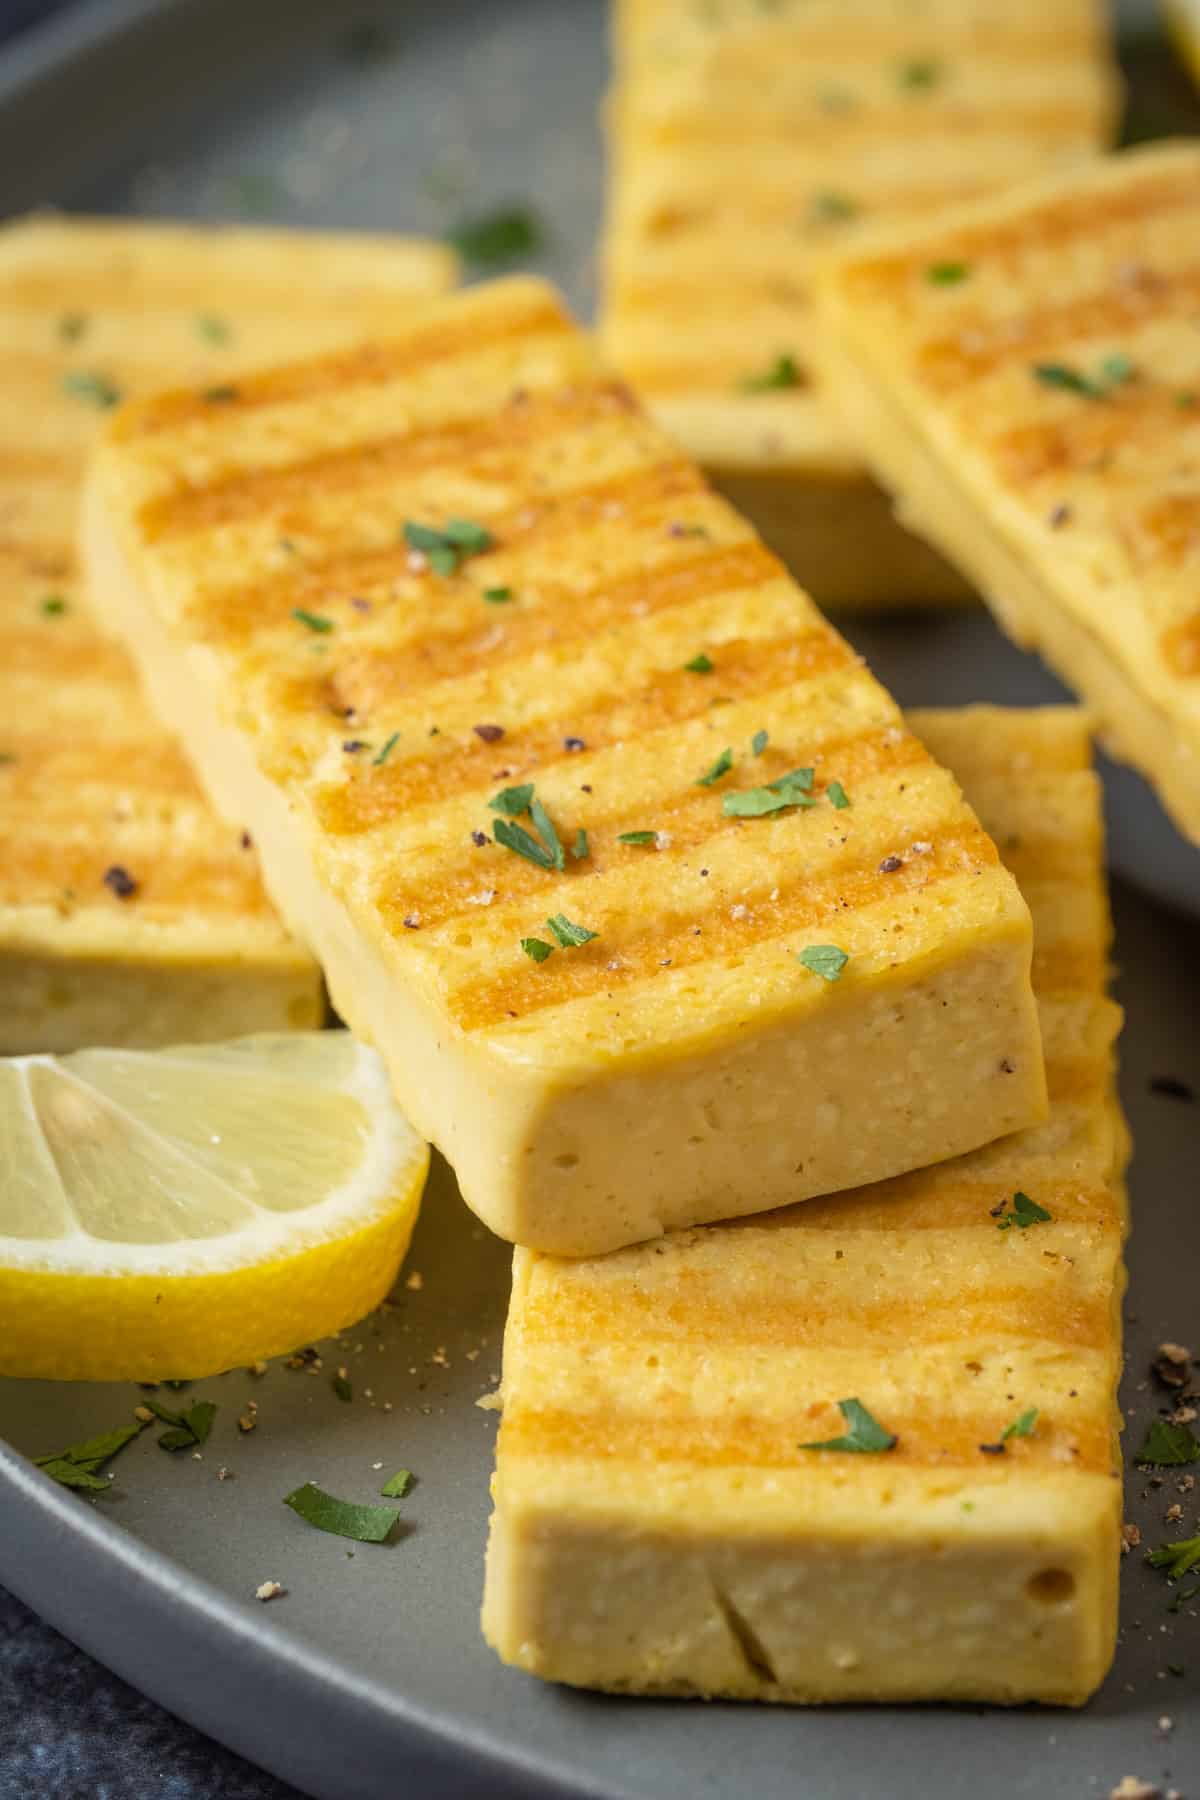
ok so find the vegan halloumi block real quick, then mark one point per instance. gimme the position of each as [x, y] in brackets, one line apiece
[501, 689]
[1025, 376]
[744, 139]
[672, 1511]
[129, 913]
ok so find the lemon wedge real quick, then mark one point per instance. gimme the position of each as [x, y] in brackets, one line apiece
[172, 1213]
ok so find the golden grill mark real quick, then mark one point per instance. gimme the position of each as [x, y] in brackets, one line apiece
[957, 1196]
[667, 697]
[810, 904]
[1063, 1439]
[494, 446]
[72, 652]
[368, 365]
[978, 347]
[1058, 224]
[1164, 532]
[790, 132]
[1135, 421]
[688, 818]
[1181, 647]
[371, 681]
[171, 883]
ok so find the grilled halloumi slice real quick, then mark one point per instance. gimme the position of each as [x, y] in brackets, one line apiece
[744, 138]
[416, 600]
[129, 914]
[662, 1522]
[1038, 418]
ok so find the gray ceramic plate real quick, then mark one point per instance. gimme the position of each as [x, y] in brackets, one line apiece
[369, 1678]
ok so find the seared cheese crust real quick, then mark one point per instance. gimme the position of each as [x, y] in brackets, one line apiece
[1038, 419]
[659, 1526]
[743, 139]
[89, 781]
[359, 704]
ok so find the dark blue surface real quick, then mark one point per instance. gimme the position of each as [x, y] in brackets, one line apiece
[69, 1730]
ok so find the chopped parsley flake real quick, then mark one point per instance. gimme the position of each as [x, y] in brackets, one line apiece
[579, 849]
[637, 837]
[189, 1429]
[825, 960]
[866, 1435]
[1114, 371]
[699, 665]
[537, 948]
[397, 1486]
[947, 274]
[342, 1518]
[79, 1465]
[721, 767]
[1168, 1446]
[782, 373]
[96, 390]
[446, 549]
[498, 596]
[53, 606]
[1177, 1559]
[838, 797]
[919, 74]
[758, 743]
[314, 621]
[386, 749]
[1022, 1425]
[829, 207]
[1025, 1212]
[794, 789]
[499, 237]
[522, 843]
[568, 935]
[342, 1387]
[213, 329]
[512, 801]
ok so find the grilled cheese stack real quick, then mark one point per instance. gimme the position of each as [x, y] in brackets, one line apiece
[666, 1520]
[744, 139]
[129, 914]
[1038, 418]
[483, 664]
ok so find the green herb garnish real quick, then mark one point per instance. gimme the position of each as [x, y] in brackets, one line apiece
[721, 767]
[1168, 1446]
[1114, 371]
[579, 849]
[446, 549]
[537, 948]
[398, 1485]
[512, 801]
[53, 606]
[498, 596]
[522, 843]
[386, 750]
[499, 237]
[829, 207]
[95, 389]
[699, 665]
[782, 373]
[1022, 1425]
[212, 329]
[188, 1429]
[794, 789]
[342, 1388]
[71, 327]
[919, 74]
[1025, 1212]
[569, 936]
[1177, 1559]
[825, 960]
[314, 621]
[838, 797]
[342, 1518]
[758, 743]
[947, 274]
[866, 1435]
[637, 837]
[79, 1466]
